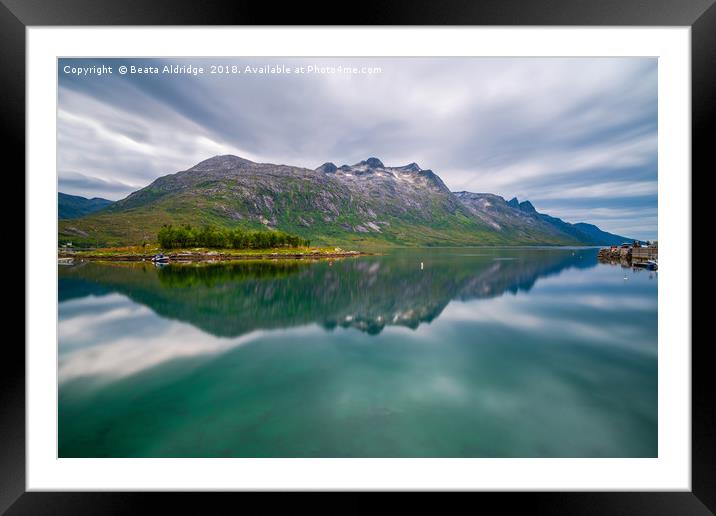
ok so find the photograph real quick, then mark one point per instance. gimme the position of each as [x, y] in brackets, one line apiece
[357, 257]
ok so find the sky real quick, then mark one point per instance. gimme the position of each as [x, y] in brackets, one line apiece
[575, 136]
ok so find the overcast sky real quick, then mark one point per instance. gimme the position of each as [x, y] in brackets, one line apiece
[577, 137]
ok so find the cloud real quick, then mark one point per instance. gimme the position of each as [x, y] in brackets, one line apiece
[611, 190]
[88, 186]
[537, 128]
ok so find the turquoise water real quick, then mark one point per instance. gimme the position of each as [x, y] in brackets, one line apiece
[481, 353]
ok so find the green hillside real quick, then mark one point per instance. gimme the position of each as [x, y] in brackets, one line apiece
[363, 204]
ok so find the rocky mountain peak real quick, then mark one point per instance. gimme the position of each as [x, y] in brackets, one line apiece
[412, 167]
[221, 162]
[328, 168]
[465, 195]
[370, 163]
[524, 206]
[527, 207]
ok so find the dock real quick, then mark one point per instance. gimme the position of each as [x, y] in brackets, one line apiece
[644, 254]
[634, 255]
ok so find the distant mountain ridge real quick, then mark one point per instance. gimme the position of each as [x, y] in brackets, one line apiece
[75, 206]
[493, 208]
[365, 203]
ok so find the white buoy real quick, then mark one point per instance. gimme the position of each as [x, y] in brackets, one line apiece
[421, 266]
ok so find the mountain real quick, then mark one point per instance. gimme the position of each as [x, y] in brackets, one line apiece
[601, 237]
[508, 216]
[365, 203]
[74, 206]
[586, 233]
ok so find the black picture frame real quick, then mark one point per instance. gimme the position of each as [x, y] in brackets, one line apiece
[700, 15]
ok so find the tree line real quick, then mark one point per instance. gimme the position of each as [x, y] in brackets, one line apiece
[176, 237]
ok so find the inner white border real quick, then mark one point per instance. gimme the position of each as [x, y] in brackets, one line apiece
[671, 471]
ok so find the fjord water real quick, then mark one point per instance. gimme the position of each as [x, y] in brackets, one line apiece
[478, 352]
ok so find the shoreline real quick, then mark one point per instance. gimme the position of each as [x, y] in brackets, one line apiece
[192, 256]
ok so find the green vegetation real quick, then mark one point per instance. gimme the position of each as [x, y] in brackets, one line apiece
[182, 276]
[171, 237]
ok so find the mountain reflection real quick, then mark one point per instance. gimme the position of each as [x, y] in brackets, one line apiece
[247, 359]
[366, 293]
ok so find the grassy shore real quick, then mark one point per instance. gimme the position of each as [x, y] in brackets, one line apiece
[145, 253]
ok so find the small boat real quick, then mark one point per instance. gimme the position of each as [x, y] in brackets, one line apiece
[160, 258]
[652, 264]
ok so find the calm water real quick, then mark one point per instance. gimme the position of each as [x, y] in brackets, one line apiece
[482, 353]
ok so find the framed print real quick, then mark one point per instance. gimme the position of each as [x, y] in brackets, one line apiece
[419, 253]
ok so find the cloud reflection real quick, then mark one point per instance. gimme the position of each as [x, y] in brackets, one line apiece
[90, 345]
